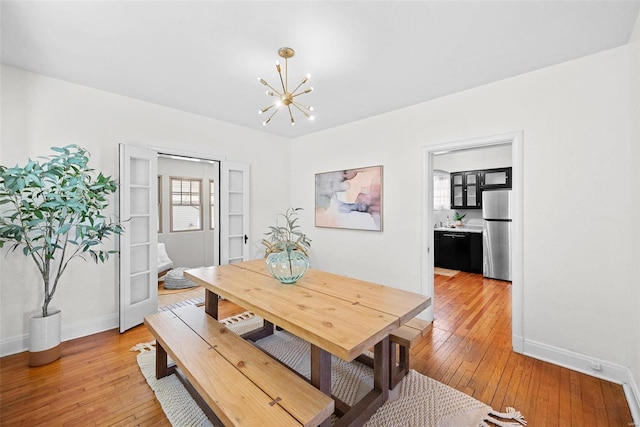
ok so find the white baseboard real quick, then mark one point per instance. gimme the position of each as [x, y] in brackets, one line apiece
[597, 368]
[632, 392]
[517, 343]
[69, 331]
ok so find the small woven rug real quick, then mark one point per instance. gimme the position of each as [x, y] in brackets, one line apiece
[418, 401]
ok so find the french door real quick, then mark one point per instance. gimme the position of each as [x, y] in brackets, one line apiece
[234, 215]
[139, 213]
[139, 242]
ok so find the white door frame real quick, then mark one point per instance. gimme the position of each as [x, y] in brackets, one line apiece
[516, 139]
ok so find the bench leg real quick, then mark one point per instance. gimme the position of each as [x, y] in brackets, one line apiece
[397, 373]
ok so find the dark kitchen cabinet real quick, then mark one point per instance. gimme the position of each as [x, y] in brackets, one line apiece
[453, 250]
[458, 250]
[465, 190]
[496, 178]
[475, 253]
[467, 186]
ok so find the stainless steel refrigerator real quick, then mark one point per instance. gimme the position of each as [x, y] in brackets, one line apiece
[496, 234]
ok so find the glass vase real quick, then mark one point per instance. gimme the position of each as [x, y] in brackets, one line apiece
[288, 266]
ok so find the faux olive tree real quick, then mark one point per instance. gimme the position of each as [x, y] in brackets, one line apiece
[51, 210]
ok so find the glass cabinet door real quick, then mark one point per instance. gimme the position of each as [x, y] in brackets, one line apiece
[497, 178]
[472, 193]
[457, 190]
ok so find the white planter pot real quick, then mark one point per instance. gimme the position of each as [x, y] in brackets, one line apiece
[44, 338]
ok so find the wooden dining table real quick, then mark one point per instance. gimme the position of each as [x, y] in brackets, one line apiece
[337, 315]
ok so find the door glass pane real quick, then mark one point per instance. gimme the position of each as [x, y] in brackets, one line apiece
[457, 179]
[235, 180]
[235, 246]
[139, 259]
[235, 224]
[139, 288]
[139, 230]
[139, 202]
[212, 205]
[471, 178]
[139, 172]
[235, 203]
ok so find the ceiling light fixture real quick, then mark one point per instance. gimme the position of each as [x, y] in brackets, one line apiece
[285, 98]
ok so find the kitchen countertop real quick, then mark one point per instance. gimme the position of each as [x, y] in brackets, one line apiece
[463, 229]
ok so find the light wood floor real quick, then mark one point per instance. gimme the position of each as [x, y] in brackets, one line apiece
[97, 381]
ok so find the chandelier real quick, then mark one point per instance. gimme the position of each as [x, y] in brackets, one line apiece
[286, 98]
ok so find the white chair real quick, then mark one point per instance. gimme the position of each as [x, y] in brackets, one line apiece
[164, 262]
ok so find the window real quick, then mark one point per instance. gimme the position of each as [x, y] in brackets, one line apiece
[212, 193]
[186, 204]
[441, 190]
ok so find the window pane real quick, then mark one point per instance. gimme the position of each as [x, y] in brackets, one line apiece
[186, 209]
[185, 218]
[441, 190]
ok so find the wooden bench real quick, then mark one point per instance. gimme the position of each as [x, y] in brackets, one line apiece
[240, 384]
[404, 337]
[400, 341]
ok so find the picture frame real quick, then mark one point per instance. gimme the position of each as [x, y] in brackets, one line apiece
[349, 198]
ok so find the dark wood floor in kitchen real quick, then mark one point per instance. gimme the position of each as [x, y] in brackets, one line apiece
[97, 381]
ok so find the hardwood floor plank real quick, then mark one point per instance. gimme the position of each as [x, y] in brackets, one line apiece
[98, 382]
[469, 349]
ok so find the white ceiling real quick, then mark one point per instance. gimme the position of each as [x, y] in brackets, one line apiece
[365, 57]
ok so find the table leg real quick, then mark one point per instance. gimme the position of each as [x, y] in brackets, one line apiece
[372, 401]
[161, 362]
[381, 367]
[211, 303]
[321, 374]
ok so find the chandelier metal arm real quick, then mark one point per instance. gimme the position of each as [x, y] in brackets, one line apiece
[295, 104]
[284, 87]
[293, 122]
[302, 93]
[306, 78]
[272, 114]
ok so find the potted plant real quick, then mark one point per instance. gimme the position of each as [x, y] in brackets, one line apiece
[458, 218]
[51, 211]
[287, 247]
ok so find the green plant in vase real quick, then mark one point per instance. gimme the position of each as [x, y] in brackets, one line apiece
[51, 210]
[287, 248]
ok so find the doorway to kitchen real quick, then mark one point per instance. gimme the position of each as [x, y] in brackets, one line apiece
[431, 218]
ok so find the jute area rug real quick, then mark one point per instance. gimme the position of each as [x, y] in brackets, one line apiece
[418, 400]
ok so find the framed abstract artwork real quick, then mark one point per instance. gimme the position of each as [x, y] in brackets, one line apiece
[350, 198]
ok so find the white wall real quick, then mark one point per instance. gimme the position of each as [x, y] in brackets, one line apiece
[39, 112]
[577, 268]
[634, 161]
